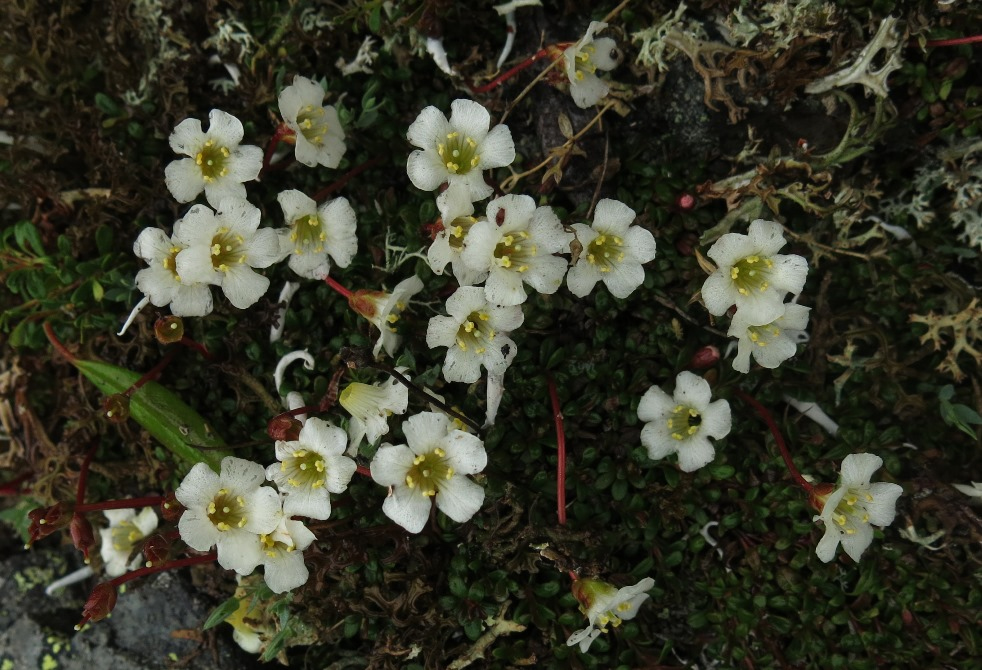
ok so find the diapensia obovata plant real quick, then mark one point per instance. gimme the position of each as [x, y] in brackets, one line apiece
[427, 457]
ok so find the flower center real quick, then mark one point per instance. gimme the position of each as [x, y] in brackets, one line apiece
[273, 547]
[612, 618]
[227, 512]
[170, 262]
[428, 471]
[458, 230]
[304, 469]
[365, 400]
[212, 161]
[684, 422]
[751, 273]
[307, 232]
[458, 153]
[125, 535]
[312, 124]
[513, 252]
[851, 511]
[581, 62]
[474, 333]
[604, 251]
[763, 335]
[226, 250]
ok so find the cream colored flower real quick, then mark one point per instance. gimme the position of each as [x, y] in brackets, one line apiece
[583, 59]
[319, 135]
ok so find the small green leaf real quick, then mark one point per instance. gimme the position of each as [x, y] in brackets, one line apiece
[97, 291]
[107, 105]
[222, 612]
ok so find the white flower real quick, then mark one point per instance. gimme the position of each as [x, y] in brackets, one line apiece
[604, 604]
[456, 212]
[223, 247]
[433, 465]
[848, 511]
[583, 59]
[230, 510]
[383, 309]
[458, 150]
[751, 274]
[613, 251]
[319, 135]
[370, 406]
[126, 528]
[475, 334]
[973, 491]
[161, 283]
[310, 468]
[217, 164]
[684, 422]
[312, 234]
[770, 343]
[514, 245]
[283, 565]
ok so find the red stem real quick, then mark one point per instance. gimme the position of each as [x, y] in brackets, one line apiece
[197, 346]
[778, 439]
[282, 131]
[83, 476]
[348, 176]
[12, 488]
[56, 343]
[128, 503]
[153, 374]
[170, 565]
[508, 74]
[557, 415]
[954, 41]
[362, 470]
[337, 287]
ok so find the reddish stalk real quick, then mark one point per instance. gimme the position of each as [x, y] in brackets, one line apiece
[282, 131]
[778, 439]
[348, 176]
[954, 41]
[362, 470]
[337, 287]
[128, 503]
[153, 374]
[557, 415]
[197, 346]
[12, 488]
[508, 74]
[83, 476]
[56, 343]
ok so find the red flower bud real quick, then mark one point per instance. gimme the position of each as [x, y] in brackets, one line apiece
[101, 602]
[82, 535]
[685, 202]
[704, 358]
[117, 407]
[156, 549]
[46, 520]
[169, 329]
[171, 509]
[284, 428]
[819, 494]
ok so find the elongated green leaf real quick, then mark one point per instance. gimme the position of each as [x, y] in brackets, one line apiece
[163, 414]
[222, 612]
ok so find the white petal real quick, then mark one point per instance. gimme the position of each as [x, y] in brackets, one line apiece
[581, 278]
[655, 405]
[692, 390]
[340, 469]
[408, 508]
[587, 91]
[184, 179]
[314, 504]
[658, 442]
[263, 249]
[429, 128]
[198, 486]
[470, 119]
[442, 331]
[545, 275]
[197, 530]
[192, 300]
[187, 137]
[606, 56]
[241, 475]
[296, 204]
[857, 469]
[391, 463]
[425, 430]
[884, 506]
[265, 510]
[716, 420]
[310, 265]
[152, 244]
[243, 286]
[718, 293]
[825, 549]
[194, 266]
[789, 273]
[426, 171]
[245, 164]
[623, 279]
[224, 128]
[459, 498]
[223, 188]
[504, 287]
[695, 452]
[323, 437]
[856, 544]
[548, 232]
[239, 551]
[641, 244]
[286, 572]
[730, 248]
[465, 453]
[767, 237]
[497, 149]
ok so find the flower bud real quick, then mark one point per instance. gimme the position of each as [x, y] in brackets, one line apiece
[367, 302]
[685, 202]
[47, 520]
[82, 534]
[117, 407]
[156, 549]
[171, 510]
[819, 494]
[285, 428]
[704, 358]
[101, 602]
[169, 329]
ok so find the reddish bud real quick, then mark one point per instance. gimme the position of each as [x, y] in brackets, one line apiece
[169, 329]
[685, 202]
[819, 494]
[101, 602]
[366, 302]
[686, 243]
[47, 520]
[431, 230]
[704, 358]
[82, 535]
[285, 428]
[171, 509]
[156, 549]
[117, 407]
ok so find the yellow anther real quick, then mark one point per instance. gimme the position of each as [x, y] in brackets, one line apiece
[409, 482]
[419, 459]
[439, 452]
[211, 509]
[216, 249]
[222, 526]
[469, 326]
[505, 262]
[734, 273]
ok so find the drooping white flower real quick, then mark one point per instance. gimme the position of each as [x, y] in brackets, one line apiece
[514, 244]
[217, 164]
[383, 310]
[319, 135]
[457, 214]
[126, 528]
[458, 150]
[613, 251]
[283, 565]
[370, 406]
[433, 465]
[751, 274]
[853, 506]
[161, 282]
[313, 233]
[310, 468]
[684, 422]
[223, 247]
[228, 510]
[583, 59]
[769, 343]
[604, 604]
[475, 334]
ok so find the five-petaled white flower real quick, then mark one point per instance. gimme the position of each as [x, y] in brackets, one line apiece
[217, 164]
[383, 310]
[126, 528]
[583, 59]
[769, 343]
[319, 136]
[433, 465]
[458, 150]
[230, 510]
[604, 604]
[475, 334]
[514, 244]
[457, 214]
[752, 275]
[848, 511]
[370, 406]
[223, 247]
[283, 565]
[161, 283]
[310, 468]
[314, 233]
[684, 422]
[613, 251]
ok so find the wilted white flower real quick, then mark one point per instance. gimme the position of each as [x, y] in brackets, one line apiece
[126, 528]
[514, 244]
[604, 604]
[161, 283]
[383, 310]
[217, 164]
[310, 468]
[457, 214]
[319, 136]
[848, 511]
[370, 406]
[457, 150]
[684, 422]
[752, 275]
[769, 343]
[613, 251]
[223, 247]
[314, 233]
[583, 59]
[283, 565]
[230, 510]
[433, 465]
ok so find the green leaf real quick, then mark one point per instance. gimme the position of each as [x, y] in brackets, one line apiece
[28, 238]
[222, 612]
[97, 291]
[107, 105]
[276, 644]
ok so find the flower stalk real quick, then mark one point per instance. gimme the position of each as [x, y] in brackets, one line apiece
[557, 415]
[778, 439]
